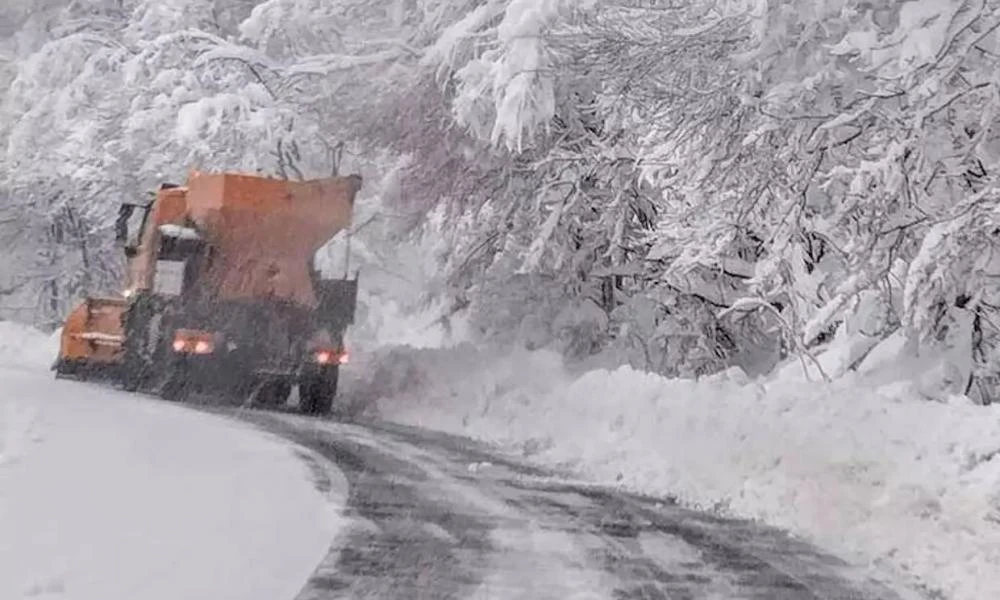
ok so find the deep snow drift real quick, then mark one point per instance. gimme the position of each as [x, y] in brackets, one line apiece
[862, 466]
[107, 496]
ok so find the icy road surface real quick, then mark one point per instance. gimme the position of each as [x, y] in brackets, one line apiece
[437, 517]
[110, 496]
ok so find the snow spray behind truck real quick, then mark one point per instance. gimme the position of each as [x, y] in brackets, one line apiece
[221, 294]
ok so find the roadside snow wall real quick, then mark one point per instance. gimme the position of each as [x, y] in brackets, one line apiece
[26, 347]
[21, 347]
[863, 466]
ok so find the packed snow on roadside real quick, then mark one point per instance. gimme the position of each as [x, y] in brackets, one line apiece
[107, 496]
[863, 466]
[23, 346]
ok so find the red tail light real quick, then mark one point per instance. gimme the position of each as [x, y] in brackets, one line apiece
[330, 357]
[190, 341]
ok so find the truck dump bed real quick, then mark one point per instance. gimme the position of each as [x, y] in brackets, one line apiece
[265, 231]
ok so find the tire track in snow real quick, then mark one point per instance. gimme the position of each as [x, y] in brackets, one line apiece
[436, 516]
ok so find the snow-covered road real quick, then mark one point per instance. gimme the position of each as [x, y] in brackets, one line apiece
[109, 496]
[439, 517]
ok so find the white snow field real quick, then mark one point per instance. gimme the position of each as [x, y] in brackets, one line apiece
[108, 496]
[864, 466]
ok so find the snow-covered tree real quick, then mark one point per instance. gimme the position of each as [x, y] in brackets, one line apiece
[681, 184]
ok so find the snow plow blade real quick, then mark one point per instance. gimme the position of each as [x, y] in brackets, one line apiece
[93, 338]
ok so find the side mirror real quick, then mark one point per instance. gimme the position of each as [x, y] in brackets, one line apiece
[129, 226]
[121, 223]
[357, 181]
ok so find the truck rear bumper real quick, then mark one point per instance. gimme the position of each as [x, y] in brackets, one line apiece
[218, 373]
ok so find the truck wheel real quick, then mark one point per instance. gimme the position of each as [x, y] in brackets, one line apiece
[132, 375]
[175, 385]
[317, 391]
[174, 390]
[273, 393]
[136, 365]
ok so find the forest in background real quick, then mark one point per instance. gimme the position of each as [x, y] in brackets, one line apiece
[682, 185]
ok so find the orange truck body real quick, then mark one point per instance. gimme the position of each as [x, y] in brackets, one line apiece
[263, 231]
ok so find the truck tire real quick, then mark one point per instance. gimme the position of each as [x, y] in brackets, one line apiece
[174, 389]
[174, 385]
[133, 368]
[132, 374]
[273, 393]
[136, 364]
[317, 392]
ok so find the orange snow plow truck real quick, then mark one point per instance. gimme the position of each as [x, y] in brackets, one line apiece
[221, 293]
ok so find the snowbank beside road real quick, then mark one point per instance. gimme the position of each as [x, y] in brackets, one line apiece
[26, 347]
[861, 466]
[21, 347]
[107, 496]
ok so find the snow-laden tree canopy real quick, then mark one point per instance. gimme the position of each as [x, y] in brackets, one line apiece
[683, 184]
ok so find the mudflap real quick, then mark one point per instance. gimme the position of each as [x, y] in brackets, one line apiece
[270, 391]
[218, 381]
[181, 376]
[318, 389]
[175, 382]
